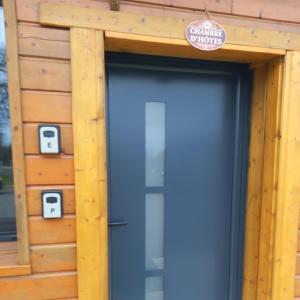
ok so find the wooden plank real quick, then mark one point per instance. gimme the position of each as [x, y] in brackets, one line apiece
[17, 134]
[63, 15]
[43, 42]
[49, 170]
[297, 287]
[255, 174]
[89, 133]
[142, 44]
[269, 187]
[52, 231]
[34, 202]
[275, 10]
[287, 208]
[49, 258]
[48, 42]
[40, 106]
[39, 287]
[298, 264]
[10, 267]
[224, 6]
[45, 74]
[260, 51]
[9, 264]
[28, 10]
[298, 239]
[31, 139]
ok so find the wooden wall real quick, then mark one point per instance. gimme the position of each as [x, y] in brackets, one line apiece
[44, 58]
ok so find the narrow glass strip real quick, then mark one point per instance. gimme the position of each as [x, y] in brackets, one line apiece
[154, 288]
[154, 235]
[155, 143]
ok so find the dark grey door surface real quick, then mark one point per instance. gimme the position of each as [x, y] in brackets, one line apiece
[178, 140]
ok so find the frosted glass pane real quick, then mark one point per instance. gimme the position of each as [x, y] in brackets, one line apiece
[154, 288]
[154, 232]
[155, 143]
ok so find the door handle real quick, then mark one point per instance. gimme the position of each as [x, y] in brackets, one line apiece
[117, 222]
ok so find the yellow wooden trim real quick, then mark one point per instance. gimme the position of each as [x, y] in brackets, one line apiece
[143, 44]
[65, 15]
[287, 204]
[269, 186]
[89, 134]
[14, 92]
[255, 177]
[184, 42]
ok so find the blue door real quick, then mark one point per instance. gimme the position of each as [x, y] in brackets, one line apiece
[178, 140]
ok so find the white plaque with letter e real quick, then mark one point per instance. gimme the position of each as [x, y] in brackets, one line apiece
[52, 204]
[49, 138]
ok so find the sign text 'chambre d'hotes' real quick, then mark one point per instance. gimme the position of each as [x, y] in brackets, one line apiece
[206, 35]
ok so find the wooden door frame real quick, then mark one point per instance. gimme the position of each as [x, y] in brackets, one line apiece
[274, 159]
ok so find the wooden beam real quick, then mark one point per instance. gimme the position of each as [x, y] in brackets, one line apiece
[54, 43]
[64, 15]
[89, 134]
[255, 179]
[269, 184]
[287, 204]
[12, 268]
[143, 44]
[14, 93]
[110, 35]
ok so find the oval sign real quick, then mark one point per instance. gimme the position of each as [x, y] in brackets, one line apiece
[206, 35]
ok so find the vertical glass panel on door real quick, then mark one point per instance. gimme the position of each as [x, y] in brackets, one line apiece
[154, 288]
[155, 143]
[154, 234]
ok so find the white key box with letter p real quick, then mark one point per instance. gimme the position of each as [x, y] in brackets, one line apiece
[52, 204]
[49, 139]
